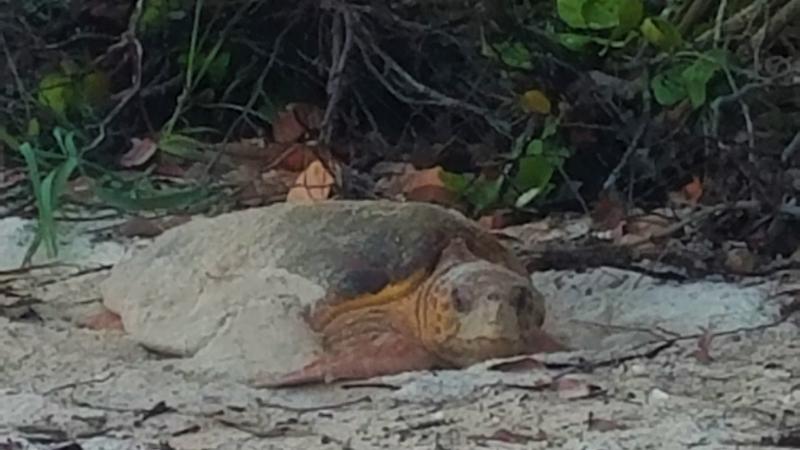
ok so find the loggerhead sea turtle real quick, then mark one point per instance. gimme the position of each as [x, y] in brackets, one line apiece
[305, 293]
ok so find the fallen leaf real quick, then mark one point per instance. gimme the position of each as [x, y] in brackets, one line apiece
[286, 128]
[313, 184]
[103, 320]
[310, 116]
[297, 157]
[609, 212]
[573, 388]
[496, 220]
[693, 190]
[523, 364]
[140, 152]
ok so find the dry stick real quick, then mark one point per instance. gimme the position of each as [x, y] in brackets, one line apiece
[254, 96]
[20, 85]
[340, 52]
[735, 22]
[697, 9]
[612, 177]
[780, 20]
[723, 4]
[790, 149]
[437, 98]
[128, 38]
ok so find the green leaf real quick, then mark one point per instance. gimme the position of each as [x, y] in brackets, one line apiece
[601, 14]
[696, 78]
[218, 67]
[571, 12]
[630, 15]
[575, 42]
[514, 54]
[480, 192]
[661, 33]
[668, 87]
[34, 128]
[56, 92]
[131, 200]
[181, 146]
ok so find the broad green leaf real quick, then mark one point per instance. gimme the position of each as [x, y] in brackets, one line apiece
[571, 12]
[480, 192]
[527, 197]
[96, 88]
[515, 54]
[601, 14]
[630, 15]
[130, 201]
[182, 146]
[668, 87]
[661, 33]
[575, 42]
[56, 92]
[696, 78]
[218, 68]
[34, 128]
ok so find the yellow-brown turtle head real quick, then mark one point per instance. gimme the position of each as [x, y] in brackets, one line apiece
[471, 309]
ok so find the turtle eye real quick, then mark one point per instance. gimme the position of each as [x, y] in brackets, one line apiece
[519, 298]
[459, 301]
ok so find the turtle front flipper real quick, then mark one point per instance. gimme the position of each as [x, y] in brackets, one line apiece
[366, 357]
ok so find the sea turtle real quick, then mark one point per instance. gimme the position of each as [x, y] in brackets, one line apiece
[306, 293]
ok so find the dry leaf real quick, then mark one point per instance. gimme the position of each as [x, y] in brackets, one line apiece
[103, 320]
[573, 389]
[523, 364]
[496, 220]
[140, 152]
[297, 157]
[693, 190]
[535, 101]
[286, 128]
[310, 116]
[313, 184]
[609, 211]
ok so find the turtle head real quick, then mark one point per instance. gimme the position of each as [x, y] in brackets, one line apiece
[473, 309]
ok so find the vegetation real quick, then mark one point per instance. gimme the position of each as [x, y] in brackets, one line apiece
[169, 105]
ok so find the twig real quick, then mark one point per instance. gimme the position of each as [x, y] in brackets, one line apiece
[790, 149]
[20, 85]
[128, 38]
[780, 20]
[255, 95]
[435, 97]
[340, 53]
[634, 143]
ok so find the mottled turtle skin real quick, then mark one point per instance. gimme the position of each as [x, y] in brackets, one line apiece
[407, 286]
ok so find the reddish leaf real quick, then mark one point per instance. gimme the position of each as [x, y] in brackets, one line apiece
[609, 212]
[313, 184]
[140, 152]
[287, 128]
